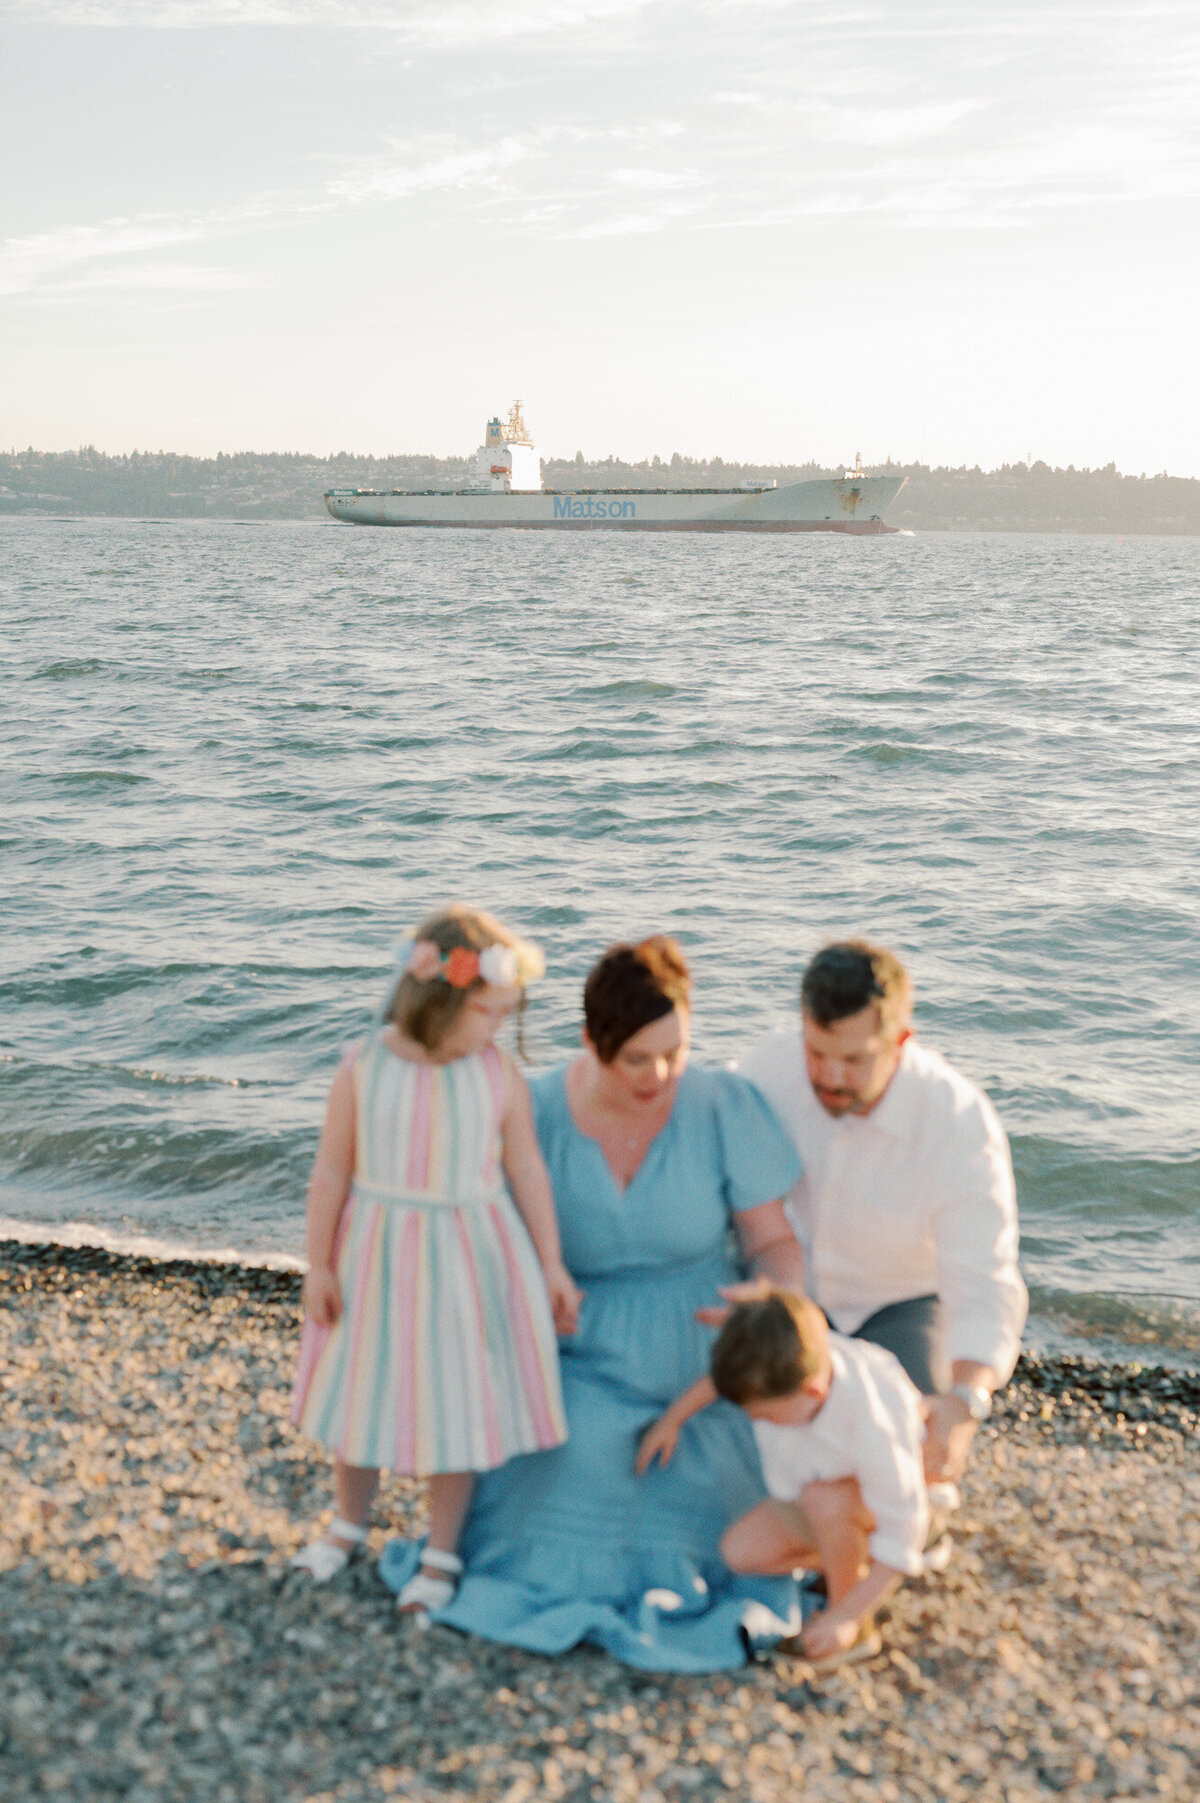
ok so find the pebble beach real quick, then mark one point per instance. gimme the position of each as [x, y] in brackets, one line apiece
[156, 1646]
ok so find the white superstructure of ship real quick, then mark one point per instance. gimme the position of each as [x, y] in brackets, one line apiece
[506, 490]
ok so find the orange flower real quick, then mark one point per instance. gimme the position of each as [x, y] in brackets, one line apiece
[461, 967]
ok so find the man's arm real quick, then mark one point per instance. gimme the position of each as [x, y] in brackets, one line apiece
[983, 1297]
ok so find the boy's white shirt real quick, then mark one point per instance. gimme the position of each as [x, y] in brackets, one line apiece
[914, 1199]
[870, 1427]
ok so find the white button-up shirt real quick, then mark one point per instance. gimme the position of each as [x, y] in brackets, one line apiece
[869, 1427]
[915, 1198]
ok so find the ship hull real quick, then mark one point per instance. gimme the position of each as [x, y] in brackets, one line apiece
[855, 505]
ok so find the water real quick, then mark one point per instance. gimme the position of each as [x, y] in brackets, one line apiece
[239, 758]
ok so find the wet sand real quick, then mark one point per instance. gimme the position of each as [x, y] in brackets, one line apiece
[156, 1648]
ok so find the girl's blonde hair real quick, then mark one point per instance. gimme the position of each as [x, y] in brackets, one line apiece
[426, 1011]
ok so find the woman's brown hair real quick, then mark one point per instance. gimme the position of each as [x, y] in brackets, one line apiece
[426, 1011]
[631, 986]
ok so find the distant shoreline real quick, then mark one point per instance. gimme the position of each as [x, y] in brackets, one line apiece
[253, 486]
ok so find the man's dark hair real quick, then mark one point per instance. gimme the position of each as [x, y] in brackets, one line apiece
[846, 977]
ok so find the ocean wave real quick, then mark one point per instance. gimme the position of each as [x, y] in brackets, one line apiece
[958, 745]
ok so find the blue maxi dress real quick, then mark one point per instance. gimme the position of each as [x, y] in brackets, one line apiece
[570, 1545]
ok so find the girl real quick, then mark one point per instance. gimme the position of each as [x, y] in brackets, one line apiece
[428, 1347]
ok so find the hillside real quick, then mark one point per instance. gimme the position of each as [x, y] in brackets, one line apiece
[285, 486]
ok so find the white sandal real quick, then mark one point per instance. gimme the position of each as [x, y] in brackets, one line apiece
[323, 1559]
[422, 1595]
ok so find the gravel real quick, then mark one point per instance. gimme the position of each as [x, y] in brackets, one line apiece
[155, 1646]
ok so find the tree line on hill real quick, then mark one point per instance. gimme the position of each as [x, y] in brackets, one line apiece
[250, 485]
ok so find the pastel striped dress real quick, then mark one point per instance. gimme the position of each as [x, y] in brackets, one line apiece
[445, 1357]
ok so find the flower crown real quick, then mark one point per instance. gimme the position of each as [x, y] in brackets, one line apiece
[460, 967]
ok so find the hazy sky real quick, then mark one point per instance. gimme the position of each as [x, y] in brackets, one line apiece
[772, 229]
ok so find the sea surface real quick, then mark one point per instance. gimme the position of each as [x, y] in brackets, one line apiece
[238, 759]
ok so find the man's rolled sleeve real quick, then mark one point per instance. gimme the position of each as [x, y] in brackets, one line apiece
[893, 1483]
[983, 1297]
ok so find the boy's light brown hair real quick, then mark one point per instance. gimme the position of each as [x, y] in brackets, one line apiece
[769, 1347]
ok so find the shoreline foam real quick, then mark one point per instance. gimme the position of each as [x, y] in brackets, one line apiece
[1058, 1326]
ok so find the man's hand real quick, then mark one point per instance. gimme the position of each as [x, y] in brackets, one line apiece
[754, 1289]
[322, 1295]
[949, 1432]
[658, 1442]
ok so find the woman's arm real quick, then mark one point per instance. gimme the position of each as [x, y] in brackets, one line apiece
[529, 1182]
[769, 1247]
[771, 1250]
[328, 1188]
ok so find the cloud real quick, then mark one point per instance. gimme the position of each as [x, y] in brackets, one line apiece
[161, 278]
[398, 175]
[444, 24]
[26, 263]
[629, 225]
[652, 179]
[39, 261]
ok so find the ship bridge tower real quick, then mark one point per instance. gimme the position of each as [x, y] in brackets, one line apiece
[508, 459]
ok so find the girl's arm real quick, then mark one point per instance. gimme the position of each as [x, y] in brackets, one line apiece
[659, 1440]
[530, 1185]
[328, 1188]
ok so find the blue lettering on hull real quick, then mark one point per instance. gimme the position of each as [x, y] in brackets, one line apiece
[567, 507]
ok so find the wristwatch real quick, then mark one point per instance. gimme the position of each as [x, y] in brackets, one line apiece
[978, 1400]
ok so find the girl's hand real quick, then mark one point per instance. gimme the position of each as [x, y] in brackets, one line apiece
[322, 1295]
[565, 1298]
[658, 1442]
[825, 1635]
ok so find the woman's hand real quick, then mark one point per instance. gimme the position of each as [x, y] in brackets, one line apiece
[658, 1442]
[565, 1297]
[322, 1295]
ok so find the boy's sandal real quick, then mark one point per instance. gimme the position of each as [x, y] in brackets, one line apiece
[323, 1559]
[867, 1643]
[423, 1594]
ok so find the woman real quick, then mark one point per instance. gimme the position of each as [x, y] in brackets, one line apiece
[652, 1163]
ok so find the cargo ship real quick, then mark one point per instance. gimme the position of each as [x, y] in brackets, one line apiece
[506, 490]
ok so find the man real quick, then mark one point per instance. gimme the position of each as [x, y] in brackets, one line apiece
[906, 1210]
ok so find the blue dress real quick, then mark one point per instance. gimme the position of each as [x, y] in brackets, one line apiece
[569, 1545]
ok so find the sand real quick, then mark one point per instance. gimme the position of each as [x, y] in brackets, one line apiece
[155, 1646]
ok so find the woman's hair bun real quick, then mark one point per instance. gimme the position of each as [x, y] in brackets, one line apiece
[631, 986]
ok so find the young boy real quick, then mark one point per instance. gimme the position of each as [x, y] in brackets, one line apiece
[839, 1431]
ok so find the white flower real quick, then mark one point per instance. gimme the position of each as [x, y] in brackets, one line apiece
[498, 964]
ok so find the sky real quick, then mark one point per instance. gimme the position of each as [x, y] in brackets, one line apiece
[769, 230]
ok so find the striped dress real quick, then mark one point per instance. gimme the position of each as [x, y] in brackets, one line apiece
[444, 1358]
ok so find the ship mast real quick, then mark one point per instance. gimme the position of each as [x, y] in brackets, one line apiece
[515, 429]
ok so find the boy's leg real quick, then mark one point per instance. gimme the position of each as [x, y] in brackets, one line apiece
[841, 1527]
[772, 1540]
